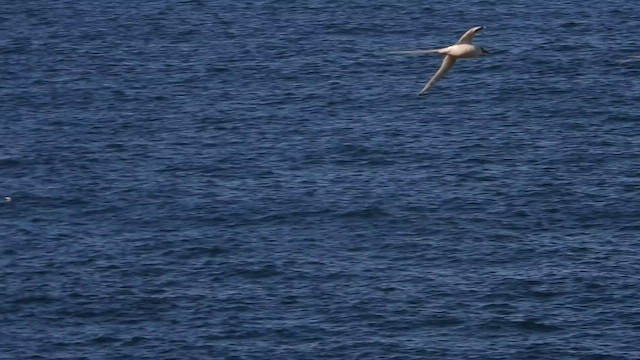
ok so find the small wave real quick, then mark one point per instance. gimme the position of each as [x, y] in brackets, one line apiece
[266, 271]
[34, 300]
[366, 213]
[621, 118]
[9, 162]
[530, 325]
[198, 251]
[536, 326]
[443, 322]
[103, 339]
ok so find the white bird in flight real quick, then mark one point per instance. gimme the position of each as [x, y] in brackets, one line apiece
[463, 49]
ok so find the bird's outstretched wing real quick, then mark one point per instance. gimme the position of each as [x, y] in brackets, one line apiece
[468, 36]
[447, 63]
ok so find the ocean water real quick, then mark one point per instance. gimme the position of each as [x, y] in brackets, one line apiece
[258, 180]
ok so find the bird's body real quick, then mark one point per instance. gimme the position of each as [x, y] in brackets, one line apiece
[463, 49]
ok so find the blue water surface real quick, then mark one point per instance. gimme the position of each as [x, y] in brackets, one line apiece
[258, 180]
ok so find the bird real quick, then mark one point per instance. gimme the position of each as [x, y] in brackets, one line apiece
[463, 49]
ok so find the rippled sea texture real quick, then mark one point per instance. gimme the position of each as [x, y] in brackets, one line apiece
[258, 180]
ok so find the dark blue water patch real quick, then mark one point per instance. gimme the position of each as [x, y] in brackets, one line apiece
[213, 180]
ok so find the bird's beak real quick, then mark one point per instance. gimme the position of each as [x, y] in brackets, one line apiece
[485, 52]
